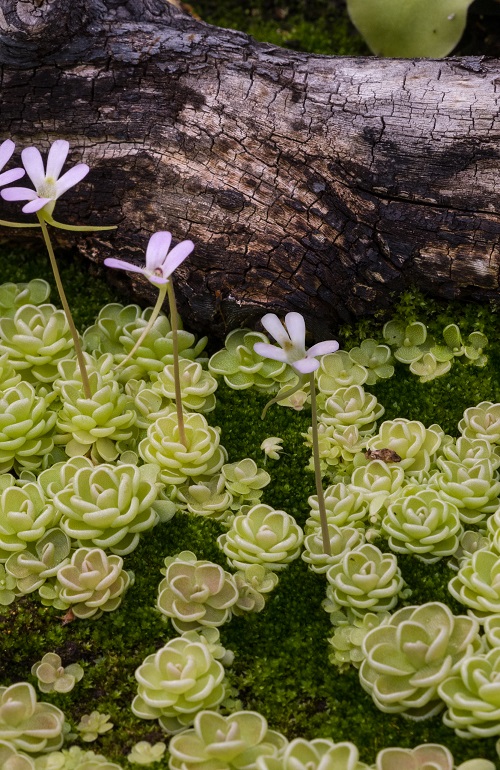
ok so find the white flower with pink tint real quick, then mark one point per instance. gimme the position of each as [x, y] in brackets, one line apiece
[6, 150]
[160, 262]
[291, 336]
[48, 184]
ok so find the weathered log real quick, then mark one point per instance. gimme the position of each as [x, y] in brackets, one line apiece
[309, 183]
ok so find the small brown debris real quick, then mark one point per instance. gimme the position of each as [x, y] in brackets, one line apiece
[386, 455]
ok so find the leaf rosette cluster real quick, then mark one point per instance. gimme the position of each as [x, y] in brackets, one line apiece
[109, 506]
[411, 440]
[178, 681]
[410, 655]
[197, 386]
[245, 481]
[25, 515]
[314, 755]
[352, 406]
[262, 535]
[27, 724]
[477, 583]
[243, 368]
[26, 428]
[196, 593]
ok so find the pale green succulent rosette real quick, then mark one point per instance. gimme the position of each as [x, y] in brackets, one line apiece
[8, 588]
[364, 580]
[40, 561]
[93, 583]
[178, 681]
[477, 584]
[197, 386]
[53, 676]
[235, 742]
[50, 594]
[474, 490]
[26, 428]
[482, 421]
[337, 448]
[245, 481]
[423, 524]
[339, 370]
[110, 505]
[35, 340]
[429, 368]
[25, 516]
[410, 341]
[253, 583]
[472, 696]
[410, 655]
[470, 541]
[118, 328]
[96, 423]
[202, 456]
[411, 440]
[208, 497]
[378, 483]
[242, 368]
[477, 341]
[347, 639]
[352, 406]
[262, 535]
[318, 754]
[149, 405]
[14, 295]
[344, 507]
[11, 759]
[375, 358]
[26, 724]
[468, 451]
[92, 725]
[75, 758]
[342, 541]
[195, 593]
[428, 756]
[144, 753]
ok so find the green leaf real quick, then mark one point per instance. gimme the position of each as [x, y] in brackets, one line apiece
[410, 28]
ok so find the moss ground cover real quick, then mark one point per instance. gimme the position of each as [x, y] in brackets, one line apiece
[281, 666]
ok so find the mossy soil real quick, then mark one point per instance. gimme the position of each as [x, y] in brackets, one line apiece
[281, 665]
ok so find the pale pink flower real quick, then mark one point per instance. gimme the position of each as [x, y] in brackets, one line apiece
[160, 262]
[291, 336]
[48, 185]
[6, 150]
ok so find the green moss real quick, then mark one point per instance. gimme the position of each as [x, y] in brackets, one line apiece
[320, 26]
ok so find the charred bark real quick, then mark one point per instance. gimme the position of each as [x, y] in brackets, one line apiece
[309, 183]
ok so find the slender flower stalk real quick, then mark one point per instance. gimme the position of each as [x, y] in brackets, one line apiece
[291, 338]
[49, 186]
[160, 264]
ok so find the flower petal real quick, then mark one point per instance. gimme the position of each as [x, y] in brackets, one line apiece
[71, 177]
[35, 205]
[6, 150]
[18, 194]
[323, 348]
[122, 265]
[273, 325]
[11, 176]
[33, 164]
[296, 327]
[306, 365]
[157, 249]
[57, 157]
[176, 256]
[270, 351]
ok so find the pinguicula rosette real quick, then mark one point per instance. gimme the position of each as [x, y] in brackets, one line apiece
[314, 755]
[27, 724]
[216, 741]
[195, 593]
[410, 655]
[415, 444]
[178, 681]
[262, 535]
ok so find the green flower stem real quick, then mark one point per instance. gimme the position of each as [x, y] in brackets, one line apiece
[162, 290]
[175, 351]
[317, 469]
[4, 223]
[64, 301]
[282, 396]
[73, 228]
